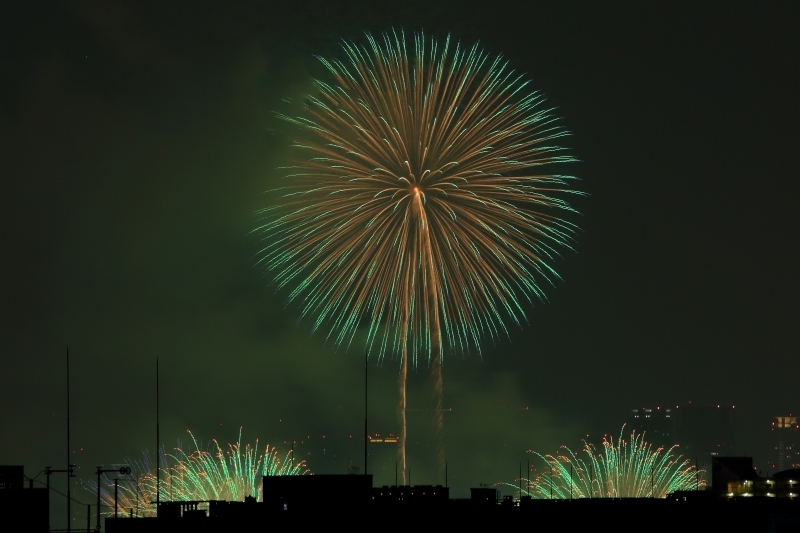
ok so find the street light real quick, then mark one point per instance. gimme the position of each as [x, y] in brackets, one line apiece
[122, 470]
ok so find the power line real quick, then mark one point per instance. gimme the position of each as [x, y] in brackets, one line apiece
[58, 492]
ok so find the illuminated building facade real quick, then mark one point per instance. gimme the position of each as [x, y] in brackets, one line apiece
[786, 438]
[765, 487]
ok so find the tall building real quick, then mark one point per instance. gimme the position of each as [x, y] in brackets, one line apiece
[705, 431]
[700, 432]
[786, 439]
[657, 425]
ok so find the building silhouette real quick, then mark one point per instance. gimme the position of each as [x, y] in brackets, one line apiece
[743, 501]
[22, 508]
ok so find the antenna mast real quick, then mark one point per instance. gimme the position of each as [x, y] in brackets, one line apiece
[69, 468]
[158, 441]
[366, 389]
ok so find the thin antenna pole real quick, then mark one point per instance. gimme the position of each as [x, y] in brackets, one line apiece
[366, 389]
[158, 444]
[99, 472]
[69, 496]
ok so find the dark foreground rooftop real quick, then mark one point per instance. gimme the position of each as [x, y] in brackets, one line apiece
[745, 515]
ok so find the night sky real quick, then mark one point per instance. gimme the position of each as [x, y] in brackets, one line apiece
[137, 141]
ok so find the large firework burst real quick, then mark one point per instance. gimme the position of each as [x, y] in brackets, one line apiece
[620, 469]
[207, 473]
[422, 203]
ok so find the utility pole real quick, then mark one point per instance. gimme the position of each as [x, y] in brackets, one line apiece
[366, 391]
[158, 445]
[70, 473]
[69, 465]
[100, 470]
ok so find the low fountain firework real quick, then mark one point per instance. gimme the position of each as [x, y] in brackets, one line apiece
[619, 469]
[206, 473]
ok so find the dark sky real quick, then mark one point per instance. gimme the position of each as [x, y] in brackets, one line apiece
[136, 143]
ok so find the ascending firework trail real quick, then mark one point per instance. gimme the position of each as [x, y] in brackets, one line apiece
[422, 203]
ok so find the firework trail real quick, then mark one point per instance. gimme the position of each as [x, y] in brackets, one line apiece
[438, 384]
[419, 204]
[207, 473]
[621, 469]
[401, 415]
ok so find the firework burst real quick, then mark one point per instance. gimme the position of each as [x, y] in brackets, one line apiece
[207, 473]
[620, 469]
[422, 203]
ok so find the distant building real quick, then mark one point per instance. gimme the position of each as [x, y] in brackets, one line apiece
[701, 432]
[391, 438]
[657, 424]
[704, 432]
[786, 439]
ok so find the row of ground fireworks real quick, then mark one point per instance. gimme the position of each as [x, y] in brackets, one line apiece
[616, 469]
